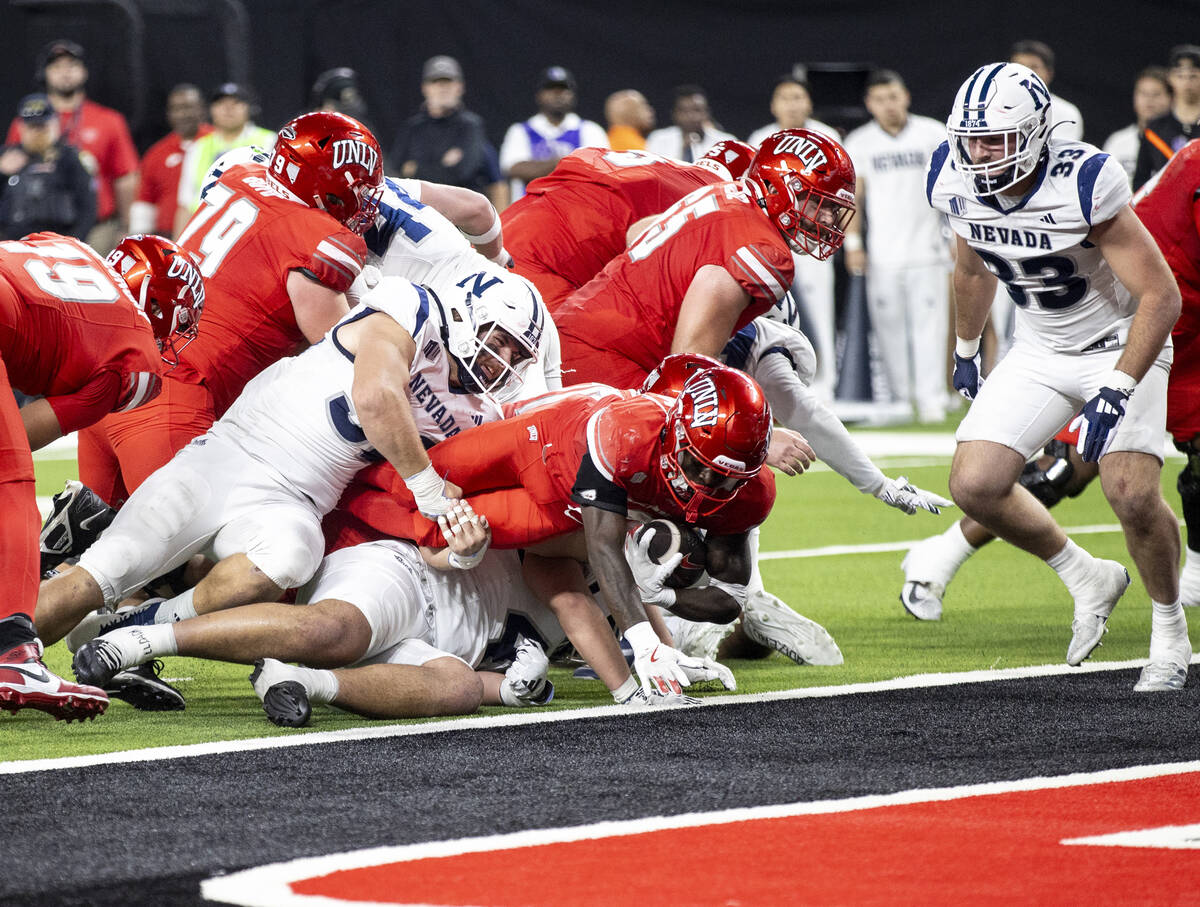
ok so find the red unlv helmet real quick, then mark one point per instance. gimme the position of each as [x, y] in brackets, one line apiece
[716, 437]
[805, 182]
[165, 280]
[673, 372]
[728, 159]
[331, 162]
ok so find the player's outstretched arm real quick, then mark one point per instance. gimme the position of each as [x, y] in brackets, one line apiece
[470, 211]
[709, 312]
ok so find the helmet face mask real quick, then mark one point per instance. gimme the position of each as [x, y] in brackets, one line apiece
[333, 163]
[715, 439]
[494, 333]
[999, 126]
[165, 280]
[804, 181]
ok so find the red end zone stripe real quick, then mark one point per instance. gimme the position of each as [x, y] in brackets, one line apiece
[983, 849]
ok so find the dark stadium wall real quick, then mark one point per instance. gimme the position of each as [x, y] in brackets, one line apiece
[734, 51]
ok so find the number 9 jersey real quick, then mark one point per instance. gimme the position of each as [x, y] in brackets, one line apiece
[1067, 296]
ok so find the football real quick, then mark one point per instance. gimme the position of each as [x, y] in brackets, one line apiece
[670, 538]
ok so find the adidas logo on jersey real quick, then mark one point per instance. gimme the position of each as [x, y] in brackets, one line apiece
[1048, 219]
[1028, 239]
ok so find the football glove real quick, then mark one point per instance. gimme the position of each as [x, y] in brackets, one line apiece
[429, 491]
[656, 663]
[699, 670]
[903, 495]
[966, 375]
[525, 682]
[1098, 420]
[650, 577]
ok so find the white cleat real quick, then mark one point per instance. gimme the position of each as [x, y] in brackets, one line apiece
[1166, 674]
[1092, 609]
[770, 622]
[700, 639]
[923, 600]
[1189, 581]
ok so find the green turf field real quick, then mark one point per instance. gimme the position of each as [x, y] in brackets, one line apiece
[1004, 610]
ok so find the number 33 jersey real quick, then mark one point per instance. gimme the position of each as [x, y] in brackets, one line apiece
[1067, 296]
[250, 236]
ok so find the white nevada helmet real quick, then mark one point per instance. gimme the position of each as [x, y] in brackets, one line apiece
[481, 308]
[1000, 99]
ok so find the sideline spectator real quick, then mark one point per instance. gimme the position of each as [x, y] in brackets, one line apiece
[694, 131]
[338, 89]
[444, 142]
[792, 107]
[158, 188]
[230, 109]
[1170, 132]
[1038, 56]
[100, 133]
[1151, 100]
[534, 148]
[630, 119]
[43, 183]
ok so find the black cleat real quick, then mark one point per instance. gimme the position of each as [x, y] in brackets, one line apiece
[77, 518]
[145, 690]
[285, 701]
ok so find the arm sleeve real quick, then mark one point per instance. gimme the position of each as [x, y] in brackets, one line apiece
[762, 270]
[593, 489]
[1110, 192]
[798, 408]
[89, 404]
[337, 260]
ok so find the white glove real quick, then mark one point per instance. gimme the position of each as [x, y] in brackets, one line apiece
[903, 495]
[656, 663]
[525, 682]
[649, 576]
[699, 670]
[429, 491]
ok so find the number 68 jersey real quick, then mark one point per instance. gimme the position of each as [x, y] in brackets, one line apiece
[1067, 296]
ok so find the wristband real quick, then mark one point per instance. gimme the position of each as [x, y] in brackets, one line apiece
[1119, 381]
[642, 636]
[966, 349]
[853, 242]
[427, 486]
[625, 691]
[491, 233]
[467, 561]
[502, 258]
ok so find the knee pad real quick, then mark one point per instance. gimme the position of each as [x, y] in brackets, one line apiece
[1049, 485]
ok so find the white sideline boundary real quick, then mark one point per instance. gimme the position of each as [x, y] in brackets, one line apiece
[522, 718]
[269, 885]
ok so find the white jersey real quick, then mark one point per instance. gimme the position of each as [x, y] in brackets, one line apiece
[902, 231]
[1067, 296]
[297, 417]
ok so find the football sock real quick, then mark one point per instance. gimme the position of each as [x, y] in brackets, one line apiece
[958, 550]
[1074, 567]
[178, 608]
[322, 685]
[1168, 627]
[139, 644]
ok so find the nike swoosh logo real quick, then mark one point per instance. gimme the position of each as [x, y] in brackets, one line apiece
[86, 522]
[40, 674]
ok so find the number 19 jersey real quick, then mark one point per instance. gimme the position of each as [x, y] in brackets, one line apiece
[1066, 294]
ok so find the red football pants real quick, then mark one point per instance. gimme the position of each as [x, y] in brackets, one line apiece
[19, 560]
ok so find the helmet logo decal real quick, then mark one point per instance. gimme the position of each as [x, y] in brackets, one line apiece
[809, 153]
[705, 404]
[352, 151]
[180, 268]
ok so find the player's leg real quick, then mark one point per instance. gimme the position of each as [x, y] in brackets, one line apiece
[99, 468]
[416, 681]
[1130, 477]
[1183, 422]
[889, 323]
[24, 680]
[929, 325]
[1188, 485]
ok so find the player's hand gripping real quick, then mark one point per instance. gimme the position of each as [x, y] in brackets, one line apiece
[650, 577]
[790, 452]
[656, 663]
[467, 535]
[433, 494]
[903, 495]
[1098, 420]
[699, 670]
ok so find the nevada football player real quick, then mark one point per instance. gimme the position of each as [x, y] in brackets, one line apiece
[1096, 302]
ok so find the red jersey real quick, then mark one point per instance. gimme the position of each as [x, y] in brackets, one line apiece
[573, 221]
[527, 473]
[250, 237]
[159, 178]
[631, 308]
[71, 331]
[102, 137]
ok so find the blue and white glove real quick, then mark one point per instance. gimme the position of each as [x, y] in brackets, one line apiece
[903, 495]
[1098, 420]
[967, 362]
[525, 682]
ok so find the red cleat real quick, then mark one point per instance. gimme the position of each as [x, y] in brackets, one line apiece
[26, 683]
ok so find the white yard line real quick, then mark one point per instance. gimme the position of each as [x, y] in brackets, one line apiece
[520, 718]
